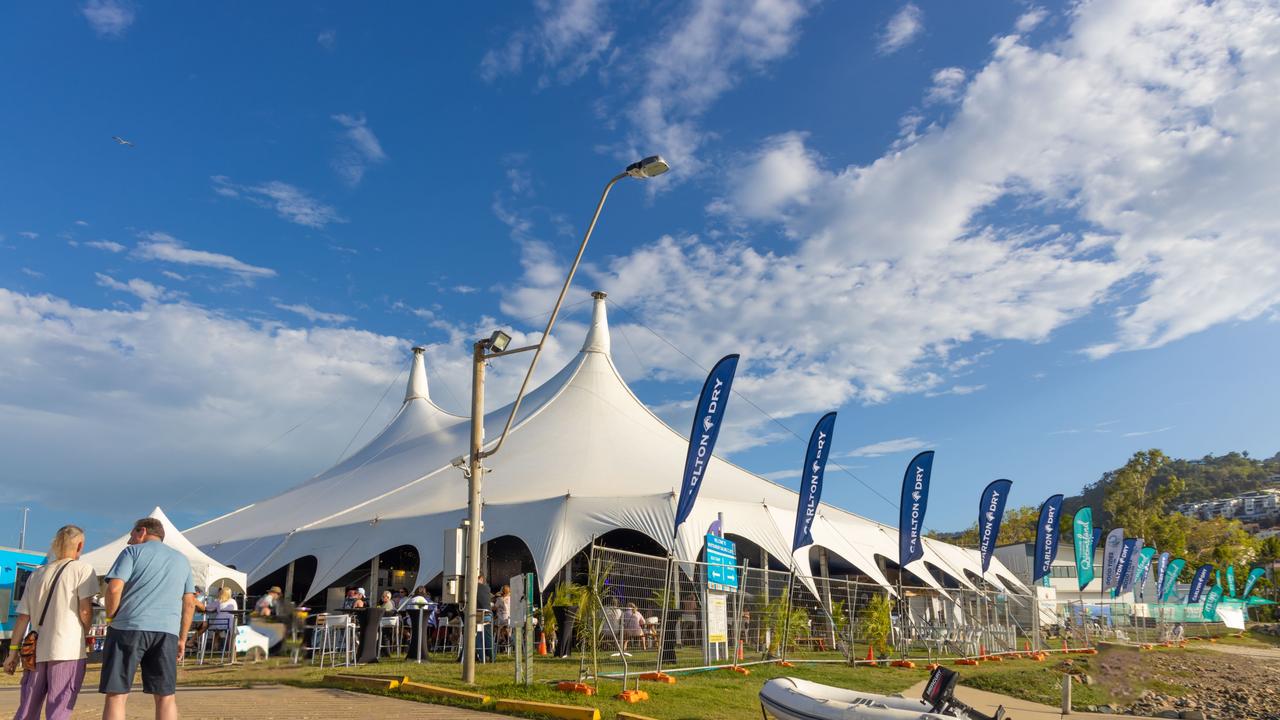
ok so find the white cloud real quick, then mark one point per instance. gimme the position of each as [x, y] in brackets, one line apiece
[1030, 20]
[888, 447]
[705, 53]
[901, 29]
[569, 37]
[947, 84]
[1150, 130]
[956, 390]
[173, 275]
[289, 202]
[108, 245]
[163, 247]
[358, 150]
[28, 234]
[143, 290]
[32, 273]
[81, 223]
[1140, 433]
[315, 315]
[327, 39]
[109, 18]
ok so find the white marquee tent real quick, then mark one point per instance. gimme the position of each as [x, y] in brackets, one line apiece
[584, 457]
[207, 571]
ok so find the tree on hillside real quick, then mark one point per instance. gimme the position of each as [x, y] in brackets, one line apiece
[1133, 503]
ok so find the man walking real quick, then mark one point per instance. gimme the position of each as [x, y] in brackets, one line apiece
[149, 601]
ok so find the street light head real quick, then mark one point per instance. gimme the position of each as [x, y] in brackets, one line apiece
[652, 166]
[499, 341]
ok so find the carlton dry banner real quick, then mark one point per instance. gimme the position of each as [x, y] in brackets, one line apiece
[1133, 565]
[1122, 565]
[1111, 558]
[706, 428]
[1171, 578]
[1047, 537]
[1198, 582]
[915, 498]
[990, 514]
[1085, 538]
[1161, 565]
[815, 466]
[1254, 575]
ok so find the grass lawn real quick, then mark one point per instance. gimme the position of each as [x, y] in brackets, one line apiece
[706, 695]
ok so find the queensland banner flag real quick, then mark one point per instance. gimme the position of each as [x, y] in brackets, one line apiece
[915, 498]
[1198, 582]
[1085, 539]
[815, 466]
[990, 514]
[1144, 565]
[1161, 565]
[1122, 565]
[1171, 578]
[1111, 557]
[1231, 579]
[1254, 575]
[702, 438]
[1047, 537]
[1210, 611]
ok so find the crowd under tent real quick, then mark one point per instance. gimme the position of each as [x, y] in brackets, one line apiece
[206, 571]
[584, 459]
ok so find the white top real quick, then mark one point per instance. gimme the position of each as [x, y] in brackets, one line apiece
[62, 635]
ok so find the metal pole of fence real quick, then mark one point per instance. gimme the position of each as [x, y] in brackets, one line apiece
[666, 602]
[786, 617]
[737, 618]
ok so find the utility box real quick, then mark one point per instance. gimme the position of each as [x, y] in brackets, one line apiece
[449, 590]
[455, 545]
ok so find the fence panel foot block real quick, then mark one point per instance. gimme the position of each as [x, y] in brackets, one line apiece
[658, 677]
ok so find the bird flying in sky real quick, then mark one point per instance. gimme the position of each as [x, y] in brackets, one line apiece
[121, 141]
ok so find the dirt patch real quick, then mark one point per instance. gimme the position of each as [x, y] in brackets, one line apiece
[1162, 682]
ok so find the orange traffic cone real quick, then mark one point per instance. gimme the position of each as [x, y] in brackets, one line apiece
[871, 656]
[542, 645]
[1026, 645]
[740, 650]
[1064, 644]
[982, 651]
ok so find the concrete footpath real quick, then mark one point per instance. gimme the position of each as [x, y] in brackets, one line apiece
[267, 702]
[1015, 709]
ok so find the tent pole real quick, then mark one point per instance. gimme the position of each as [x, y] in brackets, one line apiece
[288, 582]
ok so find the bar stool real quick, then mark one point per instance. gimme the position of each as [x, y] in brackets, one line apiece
[389, 635]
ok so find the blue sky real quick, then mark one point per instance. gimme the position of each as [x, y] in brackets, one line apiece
[1034, 237]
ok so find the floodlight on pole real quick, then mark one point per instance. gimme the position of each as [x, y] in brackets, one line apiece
[495, 346]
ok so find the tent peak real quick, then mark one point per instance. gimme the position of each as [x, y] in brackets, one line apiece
[418, 378]
[598, 335]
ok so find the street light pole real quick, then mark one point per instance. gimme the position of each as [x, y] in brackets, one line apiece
[474, 470]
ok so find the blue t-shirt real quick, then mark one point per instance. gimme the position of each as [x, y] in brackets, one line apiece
[155, 579]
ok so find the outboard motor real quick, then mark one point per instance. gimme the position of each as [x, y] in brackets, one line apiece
[940, 694]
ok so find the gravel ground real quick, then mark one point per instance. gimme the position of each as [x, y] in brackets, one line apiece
[1216, 682]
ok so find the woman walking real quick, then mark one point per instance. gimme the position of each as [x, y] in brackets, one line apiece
[56, 606]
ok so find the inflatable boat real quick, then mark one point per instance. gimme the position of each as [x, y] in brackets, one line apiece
[796, 699]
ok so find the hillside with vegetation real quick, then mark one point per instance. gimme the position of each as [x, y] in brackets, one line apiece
[1141, 496]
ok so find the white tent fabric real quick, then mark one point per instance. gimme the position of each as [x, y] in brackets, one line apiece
[584, 457]
[206, 571]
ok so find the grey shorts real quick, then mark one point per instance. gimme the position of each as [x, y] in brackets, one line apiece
[125, 650]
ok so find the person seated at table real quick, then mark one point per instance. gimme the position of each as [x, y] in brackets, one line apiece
[199, 622]
[386, 603]
[220, 613]
[613, 631]
[633, 627]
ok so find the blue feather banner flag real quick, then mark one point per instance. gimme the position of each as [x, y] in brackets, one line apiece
[1198, 582]
[1047, 537]
[915, 499]
[702, 438]
[990, 515]
[815, 467]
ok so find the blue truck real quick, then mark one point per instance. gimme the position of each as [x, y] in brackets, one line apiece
[15, 567]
